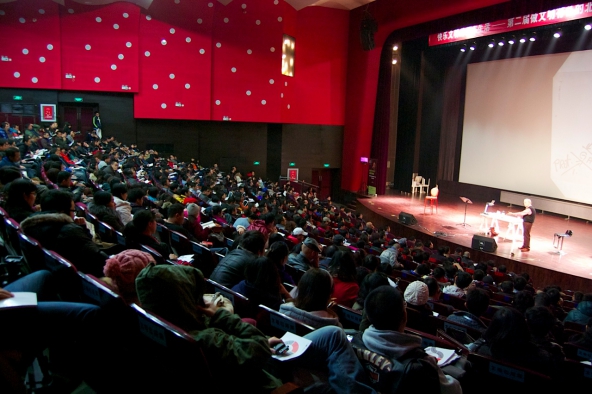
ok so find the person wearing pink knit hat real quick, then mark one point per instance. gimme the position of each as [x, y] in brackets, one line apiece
[122, 269]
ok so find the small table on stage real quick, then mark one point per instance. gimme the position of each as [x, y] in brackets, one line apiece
[492, 219]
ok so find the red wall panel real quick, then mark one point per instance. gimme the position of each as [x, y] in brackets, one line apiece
[175, 61]
[30, 45]
[100, 47]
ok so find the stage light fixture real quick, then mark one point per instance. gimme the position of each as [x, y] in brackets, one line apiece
[501, 43]
[587, 26]
[394, 61]
[532, 37]
[522, 39]
[395, 48]
[512, 40]
[463, 48]
[557, 34]
[473, 46]
[491, 44]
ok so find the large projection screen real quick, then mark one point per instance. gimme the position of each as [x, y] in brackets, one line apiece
[528, 126]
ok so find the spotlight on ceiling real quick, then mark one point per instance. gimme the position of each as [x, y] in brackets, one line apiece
[512, 40]
[557, 34]
[463, 48]
[473, 46]
[501, 43]
[522, 39]
[395, 48]
[532, 37]
[587, 26]
[491, 44]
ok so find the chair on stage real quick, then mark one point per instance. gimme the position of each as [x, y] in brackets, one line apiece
[433, 199]
[418, 182]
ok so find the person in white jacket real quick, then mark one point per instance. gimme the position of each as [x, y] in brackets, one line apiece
[123, 208]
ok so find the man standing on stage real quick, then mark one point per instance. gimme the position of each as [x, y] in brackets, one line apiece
[527, 216]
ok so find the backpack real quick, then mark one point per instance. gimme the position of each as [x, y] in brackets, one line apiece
[410, 373]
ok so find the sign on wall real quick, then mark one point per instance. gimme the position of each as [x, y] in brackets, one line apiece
[292, 174]
[48, 112]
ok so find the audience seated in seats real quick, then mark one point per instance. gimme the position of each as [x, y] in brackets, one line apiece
[507, 338]
[582, 313]
[135, 196]
[56, 228]
[523, 300]
[540, 322]
[440, 275]
[193, 223]
[64, 182]
[262, 284]
[434, 294]
[122, 207]
[507, 288]
[555, 300]
[327, 255]
[583, 340]
[141, 230]
[121, 271]
[20, 199]
[343, 270]
[477, 303]
[265, 225]
[385, 309]
[66, 327]
[231, 269]
[297, 236]
[370, 282]
[238, 351]
[311, 303]
[308, 256]
[416, 296]
[175, 219]
[390, 255]
[278, 254]
[461, 282]
[103, 207]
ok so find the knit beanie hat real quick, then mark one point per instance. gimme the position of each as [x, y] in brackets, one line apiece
[192, 209]
[417, 293]
[123, 268]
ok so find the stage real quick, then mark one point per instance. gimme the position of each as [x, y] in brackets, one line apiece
[571, 270]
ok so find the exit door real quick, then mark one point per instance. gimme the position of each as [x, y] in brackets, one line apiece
[321, 177]
[79, 116]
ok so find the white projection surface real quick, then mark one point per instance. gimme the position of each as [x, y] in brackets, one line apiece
[528, 126]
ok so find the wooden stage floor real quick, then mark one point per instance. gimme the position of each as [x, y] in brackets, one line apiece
[571, 270]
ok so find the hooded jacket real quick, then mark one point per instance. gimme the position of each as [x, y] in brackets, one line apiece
[235, 350]
[581, 314]
[58, 232]
[394, 345]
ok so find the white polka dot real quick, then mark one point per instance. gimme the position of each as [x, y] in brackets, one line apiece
[34, 80]
[22, 20]
[116, 26]
[233, 69]
[147, 53]
[98, 19]
[285, 83]
[163, 42]
[281, 95]
[120, 56]
[257, 22]
[177, 1]
[244, 6]
[249, 51]
[42, 11]
[172, 31]
[218, 102]
[148, 18]
[97, 79]
[172, 76]
[226, 20]
[70, 11]
[272, 49]
[113, 67]
[263, 102]
[187, 86]
[279, 19]
[248, 92]
[2, 12]
[155, 86]
[125, 15]
[17, 74]
[25, 51]
[276, 2]
[128, 44]
[34, 20]
[42, 59]
[87, 47]
[288, 106]
[210, 5]
[188, 39]
[163, 105]
[199, 21]
[202, 51]
[218, 45]
[271, 81]
[49, 47]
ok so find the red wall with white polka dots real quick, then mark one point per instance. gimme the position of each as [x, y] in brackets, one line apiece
[182, 59]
